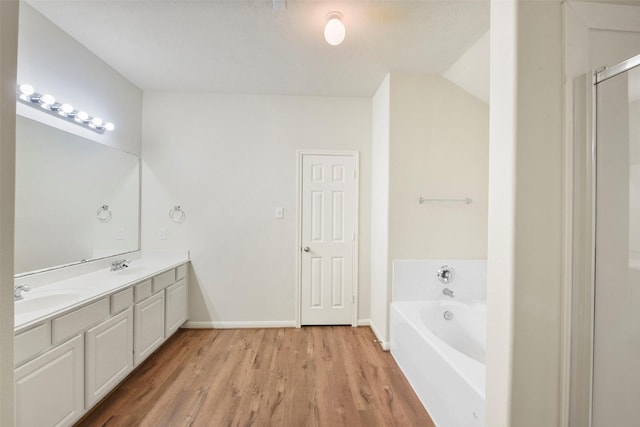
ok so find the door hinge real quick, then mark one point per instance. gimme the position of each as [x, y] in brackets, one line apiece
[354, 174]
[353, 299]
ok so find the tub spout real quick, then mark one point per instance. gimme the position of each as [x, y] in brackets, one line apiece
[448, 292]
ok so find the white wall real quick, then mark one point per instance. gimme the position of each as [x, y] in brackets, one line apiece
[608, 48]
[228, 161]
[525, 269]
[439, 149]
[380, 289]
[53, 62]
[430, 140]
[471, 70]
[8, 53]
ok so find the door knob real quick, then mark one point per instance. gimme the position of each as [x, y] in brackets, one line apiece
[306, 249]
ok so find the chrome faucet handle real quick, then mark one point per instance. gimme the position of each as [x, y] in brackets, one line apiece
[445, 274]
[18, 290]
[119, 264]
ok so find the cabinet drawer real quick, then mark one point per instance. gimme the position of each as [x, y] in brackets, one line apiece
[78, 320]
[181, 272]
[142, 290]
[121, 300]
[32, 342]
[163, 280]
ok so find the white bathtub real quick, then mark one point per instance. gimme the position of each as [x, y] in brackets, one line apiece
[443, 359]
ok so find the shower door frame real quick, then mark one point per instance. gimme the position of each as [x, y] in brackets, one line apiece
[599, 76]
[580, 19]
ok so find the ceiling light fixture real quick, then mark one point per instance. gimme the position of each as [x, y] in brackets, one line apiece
[334, 31]
[47, 103]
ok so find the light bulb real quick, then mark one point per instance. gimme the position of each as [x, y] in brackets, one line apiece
[26, 89]
[66, 109]
[82, 116]
[96, 121]
[46, 100]
[334, 31]
[109, 126]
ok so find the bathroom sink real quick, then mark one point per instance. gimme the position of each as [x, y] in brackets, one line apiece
[41, 300]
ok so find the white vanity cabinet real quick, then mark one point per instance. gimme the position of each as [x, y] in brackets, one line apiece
[148, 326]
[68, 361]
[176, 297]
[109, 355]
[49, 389]
[176, 307]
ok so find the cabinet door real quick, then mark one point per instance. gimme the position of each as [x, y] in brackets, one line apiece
[176, 305]
[49, 389]
[109, 355]
[148, 330]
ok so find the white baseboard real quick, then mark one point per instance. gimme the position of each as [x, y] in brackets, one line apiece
[197, 325]
[251, 324]
[240, 324]
[385, 345]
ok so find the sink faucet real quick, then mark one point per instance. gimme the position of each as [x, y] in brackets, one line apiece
[18, 290]
[448, 292]
[119, 264]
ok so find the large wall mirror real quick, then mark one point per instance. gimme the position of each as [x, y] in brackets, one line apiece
[76, 199]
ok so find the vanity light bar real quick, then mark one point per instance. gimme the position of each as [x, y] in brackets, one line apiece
[45, 102]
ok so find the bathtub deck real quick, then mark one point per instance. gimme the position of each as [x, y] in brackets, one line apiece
[313, 376]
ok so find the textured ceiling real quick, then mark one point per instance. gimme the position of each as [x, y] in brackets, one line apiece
[238, 46]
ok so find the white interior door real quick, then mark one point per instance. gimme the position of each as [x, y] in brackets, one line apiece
[328, 239]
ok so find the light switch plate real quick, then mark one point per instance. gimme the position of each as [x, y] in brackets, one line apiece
[162, 233]
[279, 213]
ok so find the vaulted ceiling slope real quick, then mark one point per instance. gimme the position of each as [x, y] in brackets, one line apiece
[238, 46]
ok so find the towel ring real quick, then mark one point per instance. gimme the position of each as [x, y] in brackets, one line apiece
[103, 213]
[176, 214]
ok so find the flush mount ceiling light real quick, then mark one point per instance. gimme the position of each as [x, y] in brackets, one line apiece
[46, 102]
[334, 31]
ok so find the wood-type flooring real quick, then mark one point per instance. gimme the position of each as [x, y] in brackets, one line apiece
[312, 376]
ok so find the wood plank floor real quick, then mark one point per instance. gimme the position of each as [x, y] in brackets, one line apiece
[312, 376]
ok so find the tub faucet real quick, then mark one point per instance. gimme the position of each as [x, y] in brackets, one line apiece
[448, 292]
[119, 264]
[18, 290]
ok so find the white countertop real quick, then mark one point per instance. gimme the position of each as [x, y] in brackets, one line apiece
[66, 294]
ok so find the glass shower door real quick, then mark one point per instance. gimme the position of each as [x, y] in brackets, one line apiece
[616, 353]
